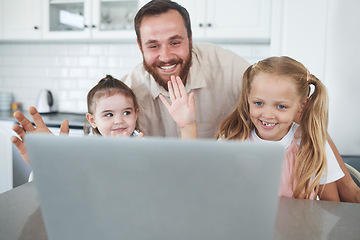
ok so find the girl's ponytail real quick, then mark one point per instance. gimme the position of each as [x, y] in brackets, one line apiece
[311, 157]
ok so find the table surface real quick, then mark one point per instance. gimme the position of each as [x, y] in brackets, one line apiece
[21, 218]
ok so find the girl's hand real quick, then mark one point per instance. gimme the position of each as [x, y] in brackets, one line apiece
[26, 127]
[182, 107]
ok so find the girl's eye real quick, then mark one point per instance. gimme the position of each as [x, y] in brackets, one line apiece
[258, 103]
[127, 113]
[281, 107]
[109, 115]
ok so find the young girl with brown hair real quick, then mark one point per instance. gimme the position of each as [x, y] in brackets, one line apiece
[112, 109]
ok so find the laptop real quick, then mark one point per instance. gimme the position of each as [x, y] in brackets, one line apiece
[155, 188]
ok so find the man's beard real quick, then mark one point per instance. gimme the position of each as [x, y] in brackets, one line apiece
[185, 67]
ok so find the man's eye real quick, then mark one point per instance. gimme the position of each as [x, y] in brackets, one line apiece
[127, 113]
[175, 43]
[109, 115]
[153, 46]
[258, 103]
[281, 107]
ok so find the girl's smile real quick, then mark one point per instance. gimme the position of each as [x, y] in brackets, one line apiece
[274, 105]
[114, 115]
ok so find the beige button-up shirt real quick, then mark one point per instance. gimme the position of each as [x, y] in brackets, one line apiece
[215, 78]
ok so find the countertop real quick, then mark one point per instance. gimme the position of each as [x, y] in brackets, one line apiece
[76, 120]
[21, 217]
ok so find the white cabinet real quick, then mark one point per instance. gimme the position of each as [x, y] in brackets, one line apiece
[85, 19]
[21, 19]
[1, 19]
[6, 159]
[229, 19]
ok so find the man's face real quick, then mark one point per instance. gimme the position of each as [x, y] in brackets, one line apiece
[165, 46]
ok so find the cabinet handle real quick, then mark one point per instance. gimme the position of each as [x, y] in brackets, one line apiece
[85, 26]
[36, 27]
[209, 24]
[93, 26]
[200, 25]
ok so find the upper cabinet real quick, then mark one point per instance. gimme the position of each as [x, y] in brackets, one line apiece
[222, 20]
[229, 19]
[21, 19]
[98, 19]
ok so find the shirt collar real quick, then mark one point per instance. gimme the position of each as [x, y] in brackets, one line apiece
[285, 141]
[195, 79]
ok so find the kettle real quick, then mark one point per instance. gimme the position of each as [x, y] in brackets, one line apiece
[45, 102]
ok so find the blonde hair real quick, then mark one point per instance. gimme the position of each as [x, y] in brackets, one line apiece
[310, 160]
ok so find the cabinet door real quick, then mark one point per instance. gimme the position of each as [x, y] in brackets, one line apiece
[114, 19]
[6, 159]
[240, 19]
[229, 19]
[22, 19]
[1, 19]
[197, 11]
[67, 19]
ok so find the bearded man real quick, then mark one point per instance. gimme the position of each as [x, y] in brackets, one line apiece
[214, 74]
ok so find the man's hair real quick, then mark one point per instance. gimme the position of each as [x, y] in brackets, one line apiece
[156, 7]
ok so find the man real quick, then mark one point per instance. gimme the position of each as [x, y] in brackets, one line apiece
[210, 72]
[164, 37]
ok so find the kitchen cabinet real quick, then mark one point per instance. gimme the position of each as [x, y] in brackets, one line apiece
[89, 19]
[21, 19]
[6, 159]
[1, 19]
[229, 19]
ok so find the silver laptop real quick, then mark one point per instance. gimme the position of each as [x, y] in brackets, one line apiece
[155, 188]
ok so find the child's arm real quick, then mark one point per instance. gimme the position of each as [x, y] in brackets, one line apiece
[329, 192]
[348, 190]
[182, 108]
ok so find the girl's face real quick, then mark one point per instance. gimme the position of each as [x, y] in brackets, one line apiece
[114, 115]
[274, 105]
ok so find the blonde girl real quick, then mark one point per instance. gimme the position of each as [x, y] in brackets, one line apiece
[112, 109]
[281, 101]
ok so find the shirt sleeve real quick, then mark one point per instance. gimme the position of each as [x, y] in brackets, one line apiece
[334, 171]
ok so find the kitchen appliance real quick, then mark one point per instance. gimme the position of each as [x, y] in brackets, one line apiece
[45, 102]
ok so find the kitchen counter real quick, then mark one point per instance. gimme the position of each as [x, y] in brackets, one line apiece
[76, 120]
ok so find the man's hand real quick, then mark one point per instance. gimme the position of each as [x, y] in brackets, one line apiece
[26, 126]
[182, 107]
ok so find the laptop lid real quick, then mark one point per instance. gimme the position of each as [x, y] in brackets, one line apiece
[155, 188]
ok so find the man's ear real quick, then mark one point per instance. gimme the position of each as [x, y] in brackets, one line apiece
[139, 45]
[91, 120]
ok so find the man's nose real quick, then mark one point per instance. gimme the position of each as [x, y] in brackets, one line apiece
[165, 54]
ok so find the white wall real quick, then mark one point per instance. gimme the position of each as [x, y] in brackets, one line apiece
[324, 36]
[70, 70]
[342, 73]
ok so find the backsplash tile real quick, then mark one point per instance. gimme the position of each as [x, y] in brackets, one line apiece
[70, 70]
